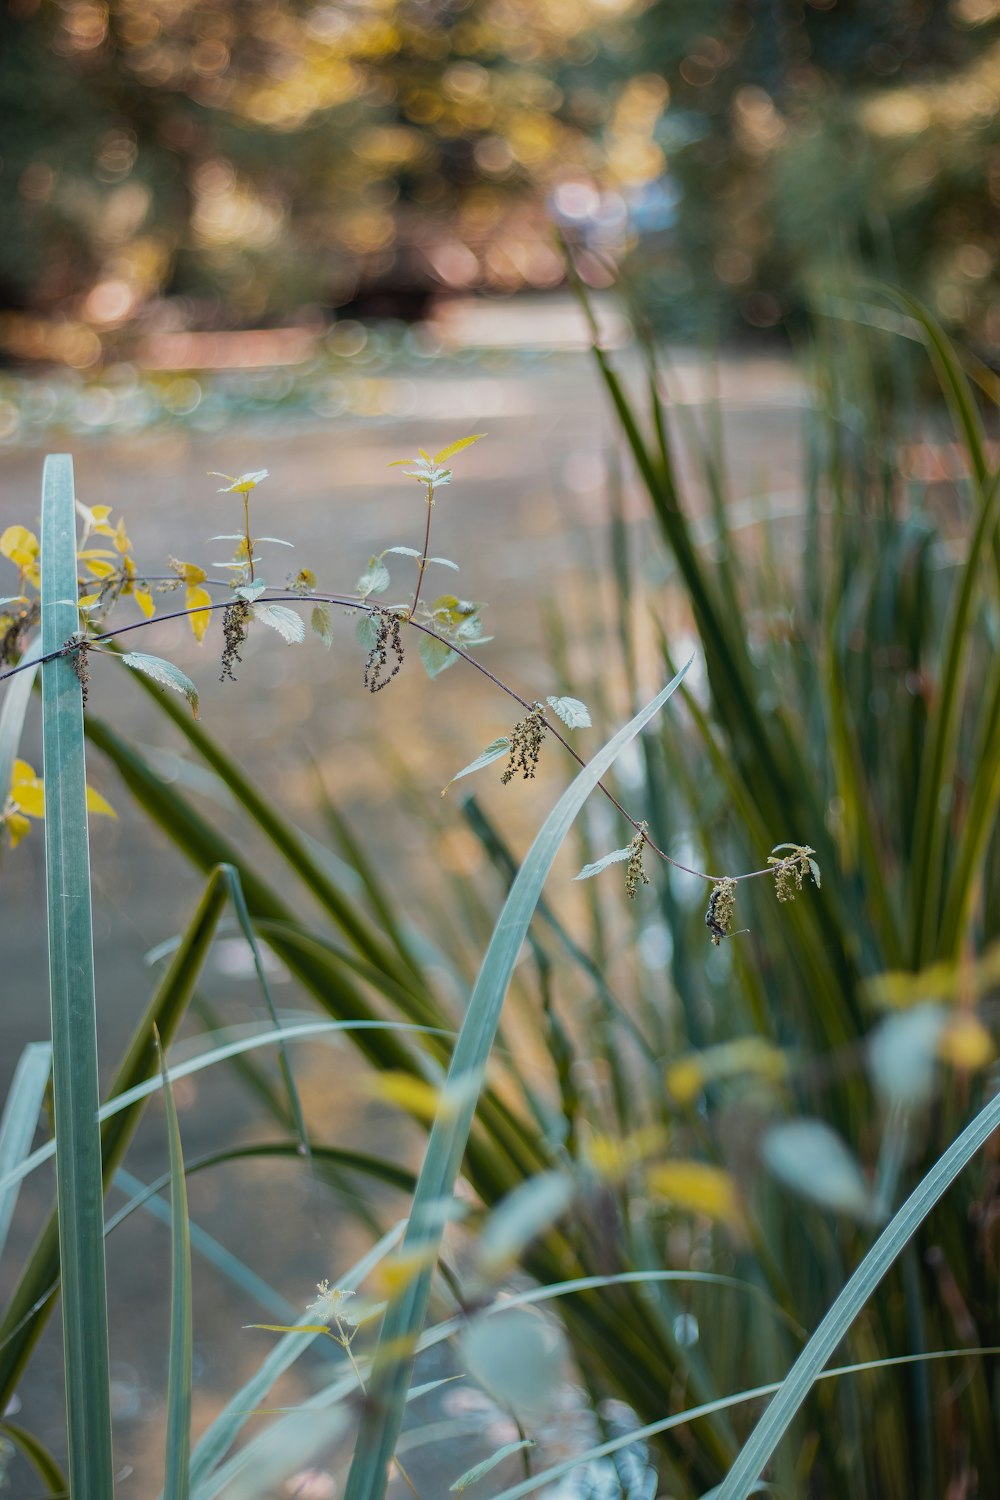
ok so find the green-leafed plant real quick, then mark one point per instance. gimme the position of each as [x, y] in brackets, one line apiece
[752, 1080]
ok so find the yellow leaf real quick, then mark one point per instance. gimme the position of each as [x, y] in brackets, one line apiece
[98, 569]
[394, 1275]
[16, 826]
[189, 572]
[23, 772]
[687, 1076]
[97, 804]
[100, 513]
[86, 553]
[199, 599]
[20, 545]
[239, 484]
[699, 1188]
[457, 447]
[965, 1042]
[88, 601]
[412, 1094]
[27, 790]
[144, 599]
[614, 1158]
[122, 542]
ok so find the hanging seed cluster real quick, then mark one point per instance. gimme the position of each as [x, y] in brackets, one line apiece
[236, 619]
[721, 909]
[635, 875]
[790, 871]
[77, 653]
[525, 745]
[387, 638]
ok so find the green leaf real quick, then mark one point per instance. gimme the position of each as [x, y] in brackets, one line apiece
[813, 1161]
[165, 673]
[250, 591]
[375, 580]
[519, 1359]
[445, 562]
[178, 1435]
[614, 858]
[520, 1218]
[285, 621]
[493, 752]
[381, 1418]
[74, 1007]
[480, 1471]
[436, 655]
[366, 632]
[456, 447]
[403, 551]
[20, 1120]
[322, 624]
[574, 714]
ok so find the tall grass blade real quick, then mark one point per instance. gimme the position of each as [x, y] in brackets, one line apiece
[383, 1410]
[79, 1188]
[179, 1371]
[38, 1456]
[764, 1439]
[17, 696]
[20, 1120]
[33, 1298]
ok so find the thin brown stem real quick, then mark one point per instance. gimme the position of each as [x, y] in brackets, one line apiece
[427, 543]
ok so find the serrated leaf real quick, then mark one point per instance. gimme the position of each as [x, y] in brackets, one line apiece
[285, 621]
[456, 447]
[165, 673]
[402, 551]
[814, 867]
[574, 714]
[435, 655]
[493, 752]
[614, 858]
[480, 1471]
[247, 591]
[366, 632]
[445, 562]
[322, 624]
[375, 580]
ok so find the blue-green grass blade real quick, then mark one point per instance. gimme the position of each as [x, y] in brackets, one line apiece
[382, 1415]
[20, 1120]
[12, 713]
[179, 1368]
[79, 1186]
[764, 1439]
[33, 1298]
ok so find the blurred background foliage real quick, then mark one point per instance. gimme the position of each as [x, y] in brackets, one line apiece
[176, 164]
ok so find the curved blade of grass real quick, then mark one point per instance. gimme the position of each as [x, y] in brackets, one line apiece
[20, 1120]
[34, 1296]
[179, 1369]
[79, 1187]
[38, 1456]
[382, 1415]
[764, 1439]
[978, 823]
[709, 1408]
[227, 1426]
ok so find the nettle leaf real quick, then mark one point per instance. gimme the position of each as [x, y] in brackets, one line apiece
[456, 447]
[285, 621]
[375, 580]
[249, 591]
[445, 562]
[402, 551]
[812, 1159]
[322, 624]
[228, 536]
[279, 539]
[435, 655]
[492, 752]
[480, 1471]
[614, 858]
[574, 714]
[366, 632]
[165, 673]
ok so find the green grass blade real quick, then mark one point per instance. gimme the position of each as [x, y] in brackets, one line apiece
[79, 1187]
[179, 1372]
[382, 1414]
[38, 1456]
[20, 1120]
[33, 1298]
[764, 1439]
[17, 696]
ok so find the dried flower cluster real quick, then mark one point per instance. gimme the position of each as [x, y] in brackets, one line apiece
[387, 637]
[721, 908]
[77, 653]
[635, 875]
[235, 628]
[526, 744]
[790, 871]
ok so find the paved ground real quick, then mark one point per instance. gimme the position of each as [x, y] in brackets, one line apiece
[526, 519]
